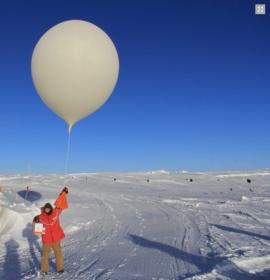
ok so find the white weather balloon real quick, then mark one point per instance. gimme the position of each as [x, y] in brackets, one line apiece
[74, 69]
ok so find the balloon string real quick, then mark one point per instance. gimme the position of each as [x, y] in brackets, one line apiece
[68, 152]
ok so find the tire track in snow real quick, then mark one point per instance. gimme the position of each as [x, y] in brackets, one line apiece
[120, 233]
[95, 240]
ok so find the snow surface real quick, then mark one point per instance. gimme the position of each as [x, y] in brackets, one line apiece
[216, 227]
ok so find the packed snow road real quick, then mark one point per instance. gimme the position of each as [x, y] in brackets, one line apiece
[152, 226]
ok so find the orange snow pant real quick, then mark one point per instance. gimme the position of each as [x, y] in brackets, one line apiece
[46, 253]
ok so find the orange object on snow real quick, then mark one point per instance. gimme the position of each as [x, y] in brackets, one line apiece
[61, 201]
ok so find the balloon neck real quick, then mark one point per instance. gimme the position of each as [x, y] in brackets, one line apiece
[69, 128]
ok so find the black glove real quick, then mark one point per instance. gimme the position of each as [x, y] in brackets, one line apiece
[65, 189]
[36, 219]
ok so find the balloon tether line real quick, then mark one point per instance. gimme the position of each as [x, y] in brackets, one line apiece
[68, 150]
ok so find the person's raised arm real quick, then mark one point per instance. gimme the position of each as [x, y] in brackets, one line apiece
[61, 201]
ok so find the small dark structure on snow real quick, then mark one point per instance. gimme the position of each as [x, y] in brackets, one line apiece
[28, 195]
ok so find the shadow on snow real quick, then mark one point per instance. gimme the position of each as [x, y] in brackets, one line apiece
[12, 267]
[204, 263]
[241, 231]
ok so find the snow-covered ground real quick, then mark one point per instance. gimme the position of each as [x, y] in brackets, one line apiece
[215, 227]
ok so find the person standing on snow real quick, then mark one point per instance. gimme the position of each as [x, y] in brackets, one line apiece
[53, 232]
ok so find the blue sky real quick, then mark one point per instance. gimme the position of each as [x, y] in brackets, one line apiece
[193, 90]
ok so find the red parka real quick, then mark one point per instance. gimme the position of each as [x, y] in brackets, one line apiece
[53, 231]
